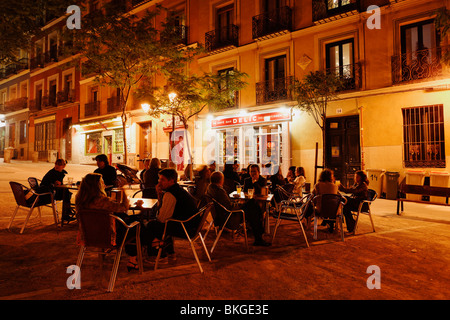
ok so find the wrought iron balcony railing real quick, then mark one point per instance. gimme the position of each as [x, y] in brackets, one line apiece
[92, 109]
[13, 68]
[16, 104]
[350, 76]
[323, 9]
[272, 22]
[222, 38]
[35, 105]
[67, 95]
[420, 64]
[274, 90]
[113, 105]
[37, 61]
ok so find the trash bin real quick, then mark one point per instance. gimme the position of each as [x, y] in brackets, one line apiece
[391, 184]
[376, 177]
[52, 156]
[439, 179]
[8, 154]
[415, 177]
[35, 156]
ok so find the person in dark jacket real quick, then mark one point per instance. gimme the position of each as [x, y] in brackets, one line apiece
[173, 202]
[255, 181]
[151, 178]
[253, 212]
[107, 171]
[54, 178]
[359, 193]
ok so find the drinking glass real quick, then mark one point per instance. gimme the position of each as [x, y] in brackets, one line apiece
[238, 189]
[250, 193]
[70, 180]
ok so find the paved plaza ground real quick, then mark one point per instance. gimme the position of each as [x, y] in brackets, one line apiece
[410, 250]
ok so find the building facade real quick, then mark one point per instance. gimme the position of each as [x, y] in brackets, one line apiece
[391, 113]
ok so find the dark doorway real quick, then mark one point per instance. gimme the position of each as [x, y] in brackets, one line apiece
[343, 154]
[67, 137]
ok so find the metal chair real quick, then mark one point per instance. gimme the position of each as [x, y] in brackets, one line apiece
[147, 193]
[30, 199]
[33, 182]
[364, 207]
[293, 210]
[286, 195]
[192, 235]
[329, 207]
[96, 231]
[229, 213]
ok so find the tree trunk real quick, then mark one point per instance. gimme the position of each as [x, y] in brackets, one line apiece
[124, 127]
[191, 170]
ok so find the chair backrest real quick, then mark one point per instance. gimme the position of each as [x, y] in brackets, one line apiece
[329, 205]
[372, 195]
[96, 227]
[33, 182]
[202, 216]
[18, 190]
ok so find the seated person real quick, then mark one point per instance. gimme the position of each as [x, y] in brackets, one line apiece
[107, 171]
[201, 183]
[359, 193]
[52, 178]
[255, 181]
[91, 195]
[325, 185]
[299, 181]
[151, 179]
[173, 202]
[253, 212]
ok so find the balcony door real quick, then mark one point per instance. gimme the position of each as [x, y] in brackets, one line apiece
[275, 78]
[340, 60]
[224, 22]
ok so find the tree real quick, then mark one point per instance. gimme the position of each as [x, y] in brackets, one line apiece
[442, 23]
[313, 94]
[185, 96]
[20, 20]
[120, 50]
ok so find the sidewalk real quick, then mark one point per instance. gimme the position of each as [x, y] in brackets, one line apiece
[411, 252]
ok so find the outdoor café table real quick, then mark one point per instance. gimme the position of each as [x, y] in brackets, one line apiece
[142, 203]
[66, 187]
[243, 197]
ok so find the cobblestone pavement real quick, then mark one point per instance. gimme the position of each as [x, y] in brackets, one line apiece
[410, 252]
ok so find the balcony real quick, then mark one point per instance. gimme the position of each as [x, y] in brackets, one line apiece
[65, 96]
[417, 65]
[329, 10]
[350, 76]
[15, 104]
[35, 105]
[272, 23]
[222, 39]
[51, 55]
[274, 90]
[92, 109]
[13, 68]
[176, 34]
[113, 105]
[37, 61]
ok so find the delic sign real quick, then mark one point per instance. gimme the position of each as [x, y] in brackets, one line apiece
[251, 119]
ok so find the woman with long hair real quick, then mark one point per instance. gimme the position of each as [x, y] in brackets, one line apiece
[91, 195]
[359, 193]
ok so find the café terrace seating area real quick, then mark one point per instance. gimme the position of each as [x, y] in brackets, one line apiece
[284, 223]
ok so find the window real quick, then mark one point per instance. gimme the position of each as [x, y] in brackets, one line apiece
[94, 143]
[335, 4]
[224, 22]
[340, 60]
[423, 136]
[275, 79]
[23, 132]
[417, 37]
[223, 85]
[45, 137]
[118, 141]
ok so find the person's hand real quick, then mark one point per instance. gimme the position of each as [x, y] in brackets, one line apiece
[58, 183]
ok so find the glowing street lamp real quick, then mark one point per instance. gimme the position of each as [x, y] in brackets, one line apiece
[145, 107]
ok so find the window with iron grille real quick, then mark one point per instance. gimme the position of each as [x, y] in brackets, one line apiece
[423, 136]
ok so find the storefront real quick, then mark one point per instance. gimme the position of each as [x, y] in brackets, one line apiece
[100, 137]
[257, 137]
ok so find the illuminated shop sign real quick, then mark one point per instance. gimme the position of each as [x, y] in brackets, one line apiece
[252, 119]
